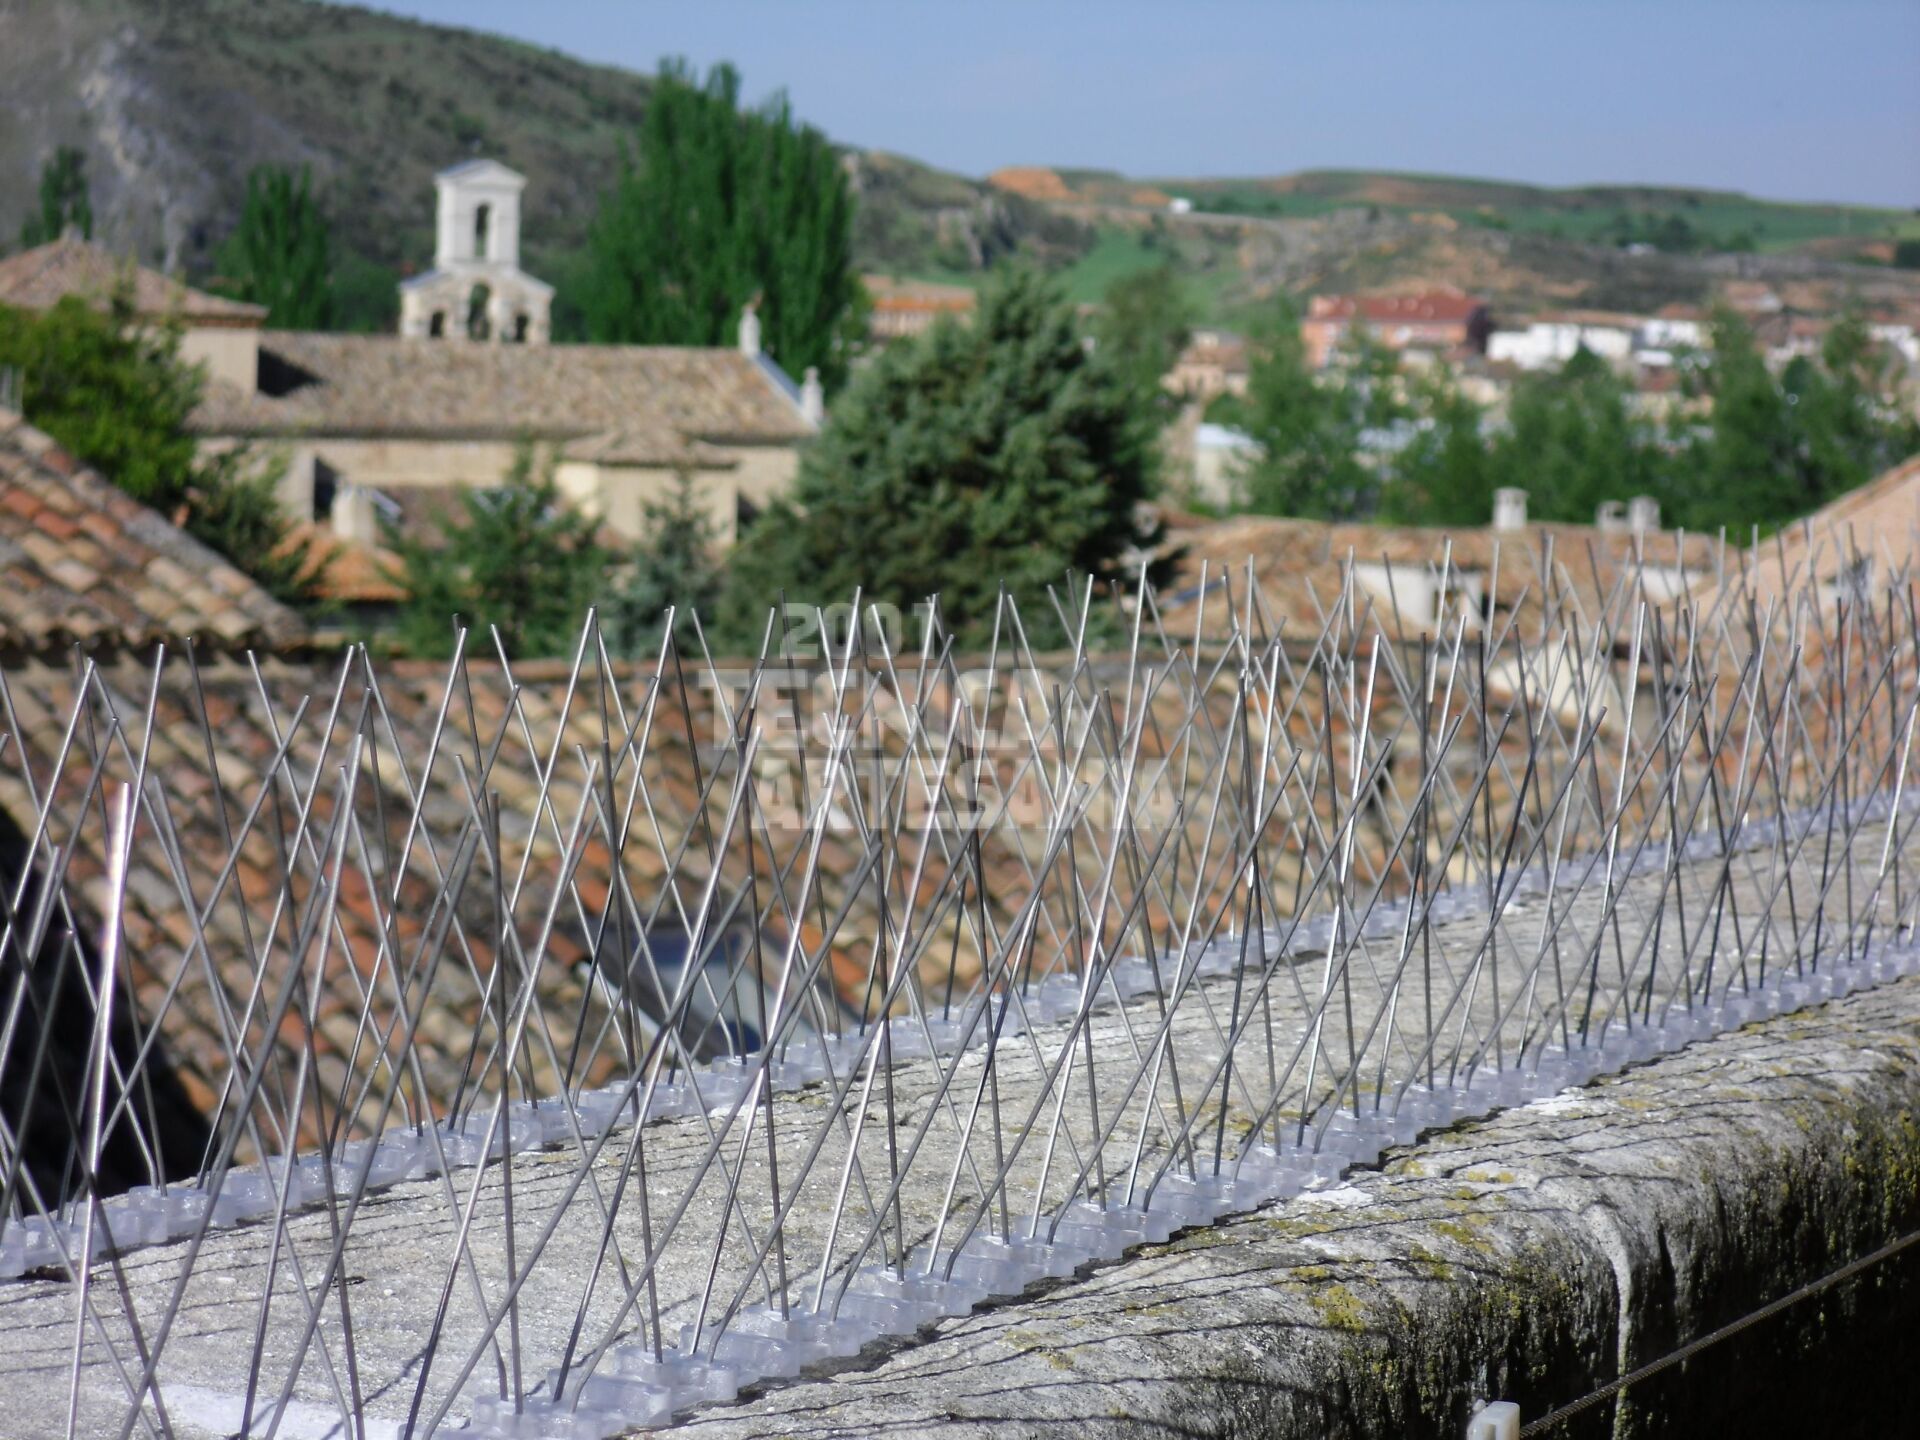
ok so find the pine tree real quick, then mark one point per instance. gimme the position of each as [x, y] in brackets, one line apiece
[997, 453]
[672, 566]
[720, 207]
[279, 255]
[517, 557]
[63, 200]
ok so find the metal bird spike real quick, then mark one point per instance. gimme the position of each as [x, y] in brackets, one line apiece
[550, 1048]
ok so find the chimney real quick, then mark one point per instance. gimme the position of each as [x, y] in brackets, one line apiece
[1509, 509]
[749, 331]
[813, 397]
[1643, 514]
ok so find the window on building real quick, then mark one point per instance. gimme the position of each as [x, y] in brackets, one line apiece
[520, 328]
[482, 224]
[437, 326]
[479, 326]
[326, 489]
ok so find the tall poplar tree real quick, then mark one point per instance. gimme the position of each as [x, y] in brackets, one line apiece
[63, 200]
[720, 206]
[279, 255]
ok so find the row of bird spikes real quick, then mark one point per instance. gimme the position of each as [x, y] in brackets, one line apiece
[748, 1012]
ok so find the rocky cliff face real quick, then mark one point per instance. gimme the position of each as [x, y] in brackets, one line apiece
[173, 105]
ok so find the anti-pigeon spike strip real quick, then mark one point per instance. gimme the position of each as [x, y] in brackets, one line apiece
[708, 1022]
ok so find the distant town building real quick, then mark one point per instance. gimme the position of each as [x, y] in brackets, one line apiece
[1214, 362]
[1432, 320]
[1220, 455]
[901, 309]
[1548, 341]
[1179, 205]
[476, 289]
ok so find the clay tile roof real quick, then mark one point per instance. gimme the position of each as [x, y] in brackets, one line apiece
[910, 296]
[644, 445]
[380, 385]
[83, 563]
[1301, 564]
[1437, 306]
[38, 279]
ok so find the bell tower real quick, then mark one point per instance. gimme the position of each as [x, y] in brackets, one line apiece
[476, 290]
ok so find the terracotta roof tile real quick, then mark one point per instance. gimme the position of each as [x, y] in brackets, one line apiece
[660, 397]
[38, 279]
[83, 561]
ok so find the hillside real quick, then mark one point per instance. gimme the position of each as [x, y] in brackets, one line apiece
[175, 102]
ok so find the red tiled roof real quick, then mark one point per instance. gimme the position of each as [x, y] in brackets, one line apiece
[1433, 306]
[38, 279]
[83, 563]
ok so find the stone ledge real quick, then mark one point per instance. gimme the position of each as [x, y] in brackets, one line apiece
[1532, 1257]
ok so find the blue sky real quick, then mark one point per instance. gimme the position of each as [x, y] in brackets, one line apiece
[1810, 101]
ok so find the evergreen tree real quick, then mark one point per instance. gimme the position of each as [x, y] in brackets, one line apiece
[721, 206]
[279, 255]
[63, 200]
[516, 557]
[672, 566]
[1000, 452]
[1744, 467]
[1144, 323]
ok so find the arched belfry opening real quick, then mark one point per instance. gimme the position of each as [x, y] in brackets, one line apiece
[479, 323]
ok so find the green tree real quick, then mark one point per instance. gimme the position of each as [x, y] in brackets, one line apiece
[279, 255]
[1573, 441]
[721, 206]
[516, 557]
[1306, 427]
[1443, 476]
[997, 453]
[673, 566]
[1144, 323]
[1779, 446]
[108, 389]
[1745, 467]
[63, 200]
[111, 389]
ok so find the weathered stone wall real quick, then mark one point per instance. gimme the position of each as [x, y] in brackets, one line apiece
[1530, 1257]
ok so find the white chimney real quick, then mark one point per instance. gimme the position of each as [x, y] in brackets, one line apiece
[1509, 509]
[813, 397]
[1643, 514]
[749, 331]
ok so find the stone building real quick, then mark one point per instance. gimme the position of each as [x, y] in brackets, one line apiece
[221, 334]
[393, 426]
[373, 426]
